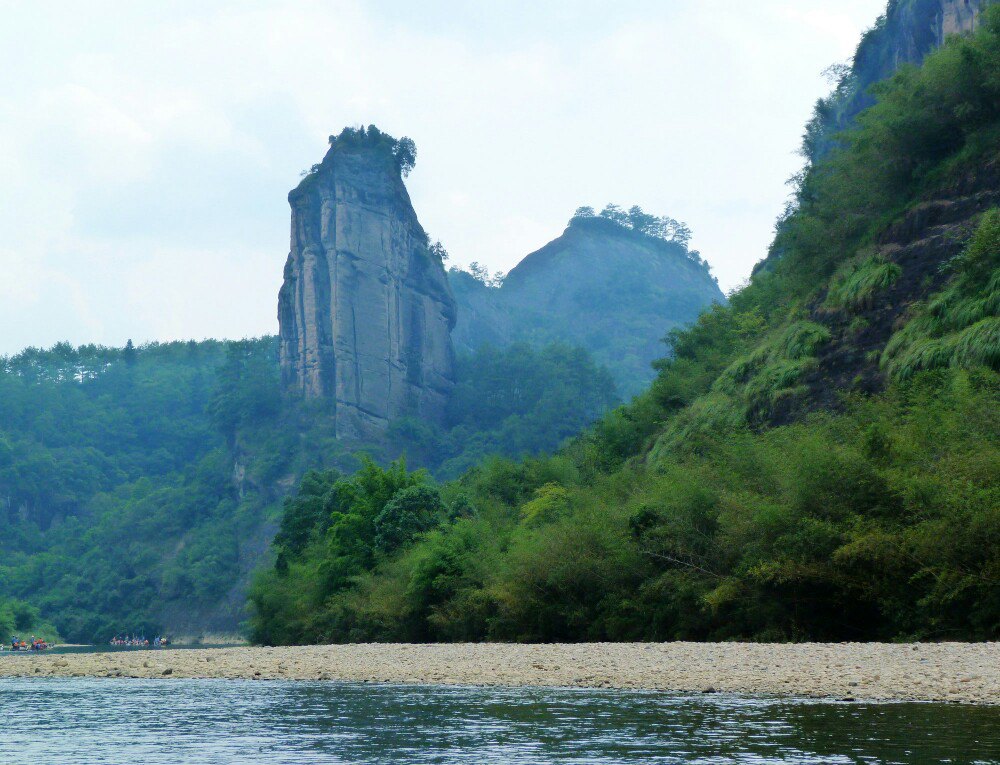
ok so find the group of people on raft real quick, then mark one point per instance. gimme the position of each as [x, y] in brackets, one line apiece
[36, 644]
[134, 641]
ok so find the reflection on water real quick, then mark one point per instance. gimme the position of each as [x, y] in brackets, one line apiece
[70, 721]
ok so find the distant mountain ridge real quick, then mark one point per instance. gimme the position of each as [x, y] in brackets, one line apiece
[601, 285]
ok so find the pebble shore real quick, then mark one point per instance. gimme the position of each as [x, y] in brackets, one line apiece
[954, 672]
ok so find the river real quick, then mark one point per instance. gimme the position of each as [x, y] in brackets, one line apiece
[67, 721]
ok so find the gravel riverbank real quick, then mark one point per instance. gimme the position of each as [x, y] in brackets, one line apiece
[959, 672]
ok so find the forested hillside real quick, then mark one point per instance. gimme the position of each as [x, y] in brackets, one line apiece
[139, 487]
[817, 460]
[119, 503]
[614, 283]
[520, 400]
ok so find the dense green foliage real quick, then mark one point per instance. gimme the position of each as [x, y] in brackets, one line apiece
[882, 523]
[138, 486]
[685, 514]
[117, 495]
[335, 529]
[517, 401]
[23, 620]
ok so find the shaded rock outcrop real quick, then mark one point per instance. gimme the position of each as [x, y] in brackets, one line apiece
[365, 311]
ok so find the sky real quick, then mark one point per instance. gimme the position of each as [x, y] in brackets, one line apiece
[147, 149]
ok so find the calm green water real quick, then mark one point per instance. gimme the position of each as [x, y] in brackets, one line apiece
[70, 721]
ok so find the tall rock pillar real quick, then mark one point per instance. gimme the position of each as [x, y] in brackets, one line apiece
[365, 310]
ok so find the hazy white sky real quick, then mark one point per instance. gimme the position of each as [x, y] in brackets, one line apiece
[147, 148]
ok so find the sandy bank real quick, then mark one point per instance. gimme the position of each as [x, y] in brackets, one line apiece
[960, 672]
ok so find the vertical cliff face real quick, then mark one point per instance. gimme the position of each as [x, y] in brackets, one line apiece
[910, 30]
[959, 17]
[365, 311]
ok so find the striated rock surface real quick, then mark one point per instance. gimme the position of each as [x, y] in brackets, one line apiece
[913, 28]
[365, 311]
[959, 17]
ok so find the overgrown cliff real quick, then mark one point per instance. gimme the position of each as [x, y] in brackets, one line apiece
[878, 291]
[904, 34]
[602, 285]
[365, 311]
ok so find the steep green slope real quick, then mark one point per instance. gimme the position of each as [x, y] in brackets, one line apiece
[603, 285]
[817, 460]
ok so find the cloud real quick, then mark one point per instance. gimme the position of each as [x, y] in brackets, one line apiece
[149, 148]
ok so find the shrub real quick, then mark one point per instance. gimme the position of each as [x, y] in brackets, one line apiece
[856, 285]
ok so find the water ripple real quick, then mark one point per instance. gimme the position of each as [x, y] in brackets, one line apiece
[227, 722]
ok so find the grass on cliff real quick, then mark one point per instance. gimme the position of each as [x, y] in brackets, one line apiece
[857, 284]
[960, 325]
[773, 368]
